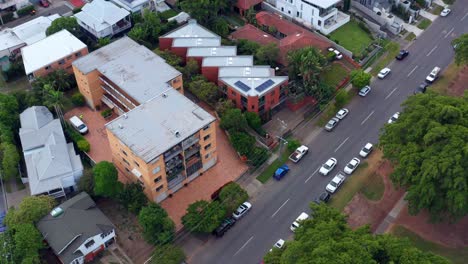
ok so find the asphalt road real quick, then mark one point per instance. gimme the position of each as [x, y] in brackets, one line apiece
[280, 203]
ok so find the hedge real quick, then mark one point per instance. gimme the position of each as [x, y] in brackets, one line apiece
[25, 10]
[83, 145]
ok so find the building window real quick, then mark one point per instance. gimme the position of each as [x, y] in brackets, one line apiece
[207, 156]
[156, 170]
[158, 179]
[289, 11]
[89, 243]
[47, 68]
[282, 9]
[103, 235]
[205, 138]
[159, 188]
[252, 107]
[69, 57]
[125, 153]
[233, 93]
[136, 163]
[60, 62]
[297, 13]
[205, 128]
[208, 146]
[126, 162]
[141, 182]
[127, 170]
[78, 54]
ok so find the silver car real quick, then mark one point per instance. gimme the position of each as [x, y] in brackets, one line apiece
[364, 91]
[332, 124]
[242, 210]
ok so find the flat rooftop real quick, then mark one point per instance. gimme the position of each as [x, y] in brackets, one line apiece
[247, 71]
[322, 3]
[254, 86]
[135, 69]
[212, 51]
[156, 126]
[228, 61]
[191, 30]
[196, 42]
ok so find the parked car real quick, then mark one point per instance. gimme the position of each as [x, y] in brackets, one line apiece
[366, 150]
[433, 75]
[225, 226]
[445, 12]
[328, 166]
[402, 54]
[44, 3]
[383, 73]
[78, 125]
[242, 210]
[331, 124]
[364, 91]
[280, 172]
[339, 56]
[394, 118]
[342, 113]
[421, 88]
[279, 244]
[303, 216]
[352, 166]
[322, 198]
[335, 183]
[298, 153]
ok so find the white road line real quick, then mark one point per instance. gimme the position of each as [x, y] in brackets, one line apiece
[411, 72]
[342, 143]
[273, 215]
[390, 94]
[310, 177]
[363, 121]
[450, 32]
[243, 246]
[464, 17]
[432, 50]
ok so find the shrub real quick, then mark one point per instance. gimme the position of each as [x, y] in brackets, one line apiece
[257, 156]
[83, 145]
[78, 99]
[8, 17]
[106, 113]
[293, 144]
[25, 10]
[331, 56]
[341, 98]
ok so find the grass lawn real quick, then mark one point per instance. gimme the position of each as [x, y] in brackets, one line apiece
[455, 255]
[425, 23]
[374, 187]
[352, 37]
[268, 172]
[449, 2]
[356, 181]
[13, 86]
[168, 14]
[333, 74]
[391, 49]
[442, 83]
[436, 9]
[410, 36]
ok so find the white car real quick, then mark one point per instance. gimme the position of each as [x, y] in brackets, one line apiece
[352, 166]
[328, 166]
[335, 183]
[364, 91]
[303, 216]
[445, 12]
[279, 244]
[332, 124]
[242, 210]
[366, 150]
[342, 113]
[394, 118]
[383, 73]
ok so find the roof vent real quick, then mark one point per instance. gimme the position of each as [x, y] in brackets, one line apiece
[56, 212]
[125, 116]
[120, 126]
[177, 134]
[164, 95]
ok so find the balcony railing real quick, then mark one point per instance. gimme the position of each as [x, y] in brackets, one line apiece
[173, 162]
[194, 168]
[172, 152]
[190, 141]
[192, 151]
[121, 26]
[116, 94]
[175, 181]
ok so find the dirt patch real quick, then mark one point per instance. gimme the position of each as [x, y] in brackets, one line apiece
[458, 85]
[361, 211]
[128, 231]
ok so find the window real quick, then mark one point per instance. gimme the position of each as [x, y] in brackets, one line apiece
[205, 128]
[127, 170]
[69, 57]
[103, 235]
[233, 93]
[141, 183]
[78, 54]
[125, 153]
[205, 138]
[156, 170]
[253, 107]
[282, 9]
[89, 243]
[208, 146]
[136, 163]
[297, 13]
[158, 179]
[126, 162]
[60, 62]
[47, 68]
[159, 188]
[207, 156]
[289, 11]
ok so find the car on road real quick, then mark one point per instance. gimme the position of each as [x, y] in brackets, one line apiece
[433, 75]
[225, 226]
[279, 244]
[331, 124]
[280, 172]
[352, 166]
[339, 56]
[44, 3]
[297, 155]
[364, 91]
[342, 113]
[402, 54]
[366, 150]
[335, 183]
[322, 198]
[445, 12]
[394, 118]
[303, 216]
[242, 210]
[383, 73]
[328, 166]
[421, 88]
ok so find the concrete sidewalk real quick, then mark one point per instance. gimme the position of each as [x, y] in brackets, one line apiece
[392, 215]
[428, 15]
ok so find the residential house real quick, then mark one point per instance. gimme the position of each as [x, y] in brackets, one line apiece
[123, 75]
[53, 168]
[102, 19]
[135, 6]
[163, 143]
[77, 231]
[56, 51]
[322, 15]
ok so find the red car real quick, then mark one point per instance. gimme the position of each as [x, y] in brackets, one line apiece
[44, 3]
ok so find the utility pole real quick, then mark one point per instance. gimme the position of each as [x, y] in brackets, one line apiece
[281, 140]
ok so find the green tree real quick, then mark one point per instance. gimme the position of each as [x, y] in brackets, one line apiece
[242, 142]
[428, 148]
[204, 90]
[158, 228]
[169, 57]
[27, 242]
[139, 34]
[461, 49]
[78, 99]
[106, 180]
[254, 120]
[51, 97]
[232, 196]
[306, 64]
[233, 120]
[247, 47]
[203, 216]
[205, 11]
[220, 27]
[68, 23]
[10, 161]
[293, 144]
[167, 254]
[103, 42]
[132, 197]
[341, 98]
[250, 16]
[223, 105]
[30, 210]
[359, 78]
[8, 111]
[267, 54]
[190, 70]
[86, 182]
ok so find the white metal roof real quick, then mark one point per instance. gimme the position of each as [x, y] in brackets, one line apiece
[101, 14]
[49, 50]
[246, 71]
[212, 51]
[191, 30]
[196, 42]
[254, 86]
[34, 30]
[242, 60]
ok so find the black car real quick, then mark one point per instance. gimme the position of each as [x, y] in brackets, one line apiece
[421, 88]
[323, 198]
[403, 54]
[225, 225]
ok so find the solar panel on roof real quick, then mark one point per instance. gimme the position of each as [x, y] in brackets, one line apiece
[262, 87]
[244, 87]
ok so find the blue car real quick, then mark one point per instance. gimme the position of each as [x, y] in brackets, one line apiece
[280, 172]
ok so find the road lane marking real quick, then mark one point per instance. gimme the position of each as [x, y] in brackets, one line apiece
[310, 177]
[464, 17]
[363, 121]
[432, 50]
[243, 246]
[450, 32]
[390, 94]
[411, 72]
[273, 215]
[342, 143]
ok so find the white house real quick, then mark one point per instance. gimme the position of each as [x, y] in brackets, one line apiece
[77, 230]
[103, 19]
[135, 6]
[52, 165]
[319, 14]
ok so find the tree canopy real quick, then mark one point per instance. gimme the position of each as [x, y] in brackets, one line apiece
[428, 147]
[205, 11]
[132, 197]
[267, 54]
[327, 238]
[203, 216]
[232, 195]
[461, 49]
[359, 78]
[68, 23]
[233, 120]
[106, 182]
[30, 210]
[306, 64]
[158, 228]
[204, 90]
[168, 254]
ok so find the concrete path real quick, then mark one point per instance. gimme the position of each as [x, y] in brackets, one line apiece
[428, 15]
[412, 28]
[439, 2]
[392, 215]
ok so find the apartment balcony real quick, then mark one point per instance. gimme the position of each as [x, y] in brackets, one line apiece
[192, 151]
[190, 141]
[116, 94]
[172, 152]
[176, 180]
[174, 162]
[196, 166]
[334, 23]
[327, 13]
[112, 104]
[120, 26]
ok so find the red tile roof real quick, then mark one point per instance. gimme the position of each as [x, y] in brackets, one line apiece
[254, 34]
[246, 4]
[282, 25]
